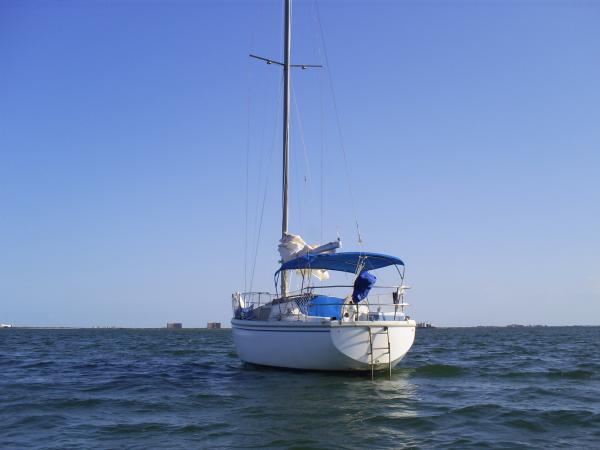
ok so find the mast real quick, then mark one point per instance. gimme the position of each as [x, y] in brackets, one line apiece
[287, 32]
[286, 65]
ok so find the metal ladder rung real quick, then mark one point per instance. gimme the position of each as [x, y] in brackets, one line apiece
[386, 331]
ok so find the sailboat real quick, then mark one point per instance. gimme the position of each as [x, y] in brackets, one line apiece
[353, 326]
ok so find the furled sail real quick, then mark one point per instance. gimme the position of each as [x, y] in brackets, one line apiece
[292, 246]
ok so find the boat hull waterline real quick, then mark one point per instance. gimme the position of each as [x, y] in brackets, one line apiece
[335, 346]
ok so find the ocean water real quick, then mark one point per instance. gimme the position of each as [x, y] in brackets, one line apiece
[457, 388]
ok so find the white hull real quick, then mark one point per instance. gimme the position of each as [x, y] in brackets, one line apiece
[323, 345]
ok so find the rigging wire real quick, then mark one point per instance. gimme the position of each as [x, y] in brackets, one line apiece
[308, 176]
[322, 121]
[247, 193]
[337, 117]
[266, 188]
[261, 167]
[247, 180]
[304, 148]
[299, 227]
[321, 200]
[262, 17]
[316, 44]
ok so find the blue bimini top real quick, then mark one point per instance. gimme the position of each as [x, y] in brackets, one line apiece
[342, 262]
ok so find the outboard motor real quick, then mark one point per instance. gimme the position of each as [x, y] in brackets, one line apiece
[362, 286]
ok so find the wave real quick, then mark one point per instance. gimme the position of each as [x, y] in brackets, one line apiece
[526, 424]
[478, 410]
[576, 374]
[540, 421]
[80, 402]
[440, 370]
[183, 352]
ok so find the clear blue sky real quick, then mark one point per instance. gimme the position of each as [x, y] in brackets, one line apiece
[471, 129]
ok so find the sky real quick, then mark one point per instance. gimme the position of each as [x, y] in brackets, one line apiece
[139, 143]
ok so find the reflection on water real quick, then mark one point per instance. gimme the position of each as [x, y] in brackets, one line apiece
[312, 407]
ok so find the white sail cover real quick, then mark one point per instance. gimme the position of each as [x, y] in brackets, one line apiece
[292, 246]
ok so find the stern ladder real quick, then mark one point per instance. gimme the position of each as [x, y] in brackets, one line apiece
[388, 350]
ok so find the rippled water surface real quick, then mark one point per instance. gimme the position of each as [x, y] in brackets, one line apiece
[460, 388]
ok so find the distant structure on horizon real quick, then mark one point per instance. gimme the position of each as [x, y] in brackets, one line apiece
[174, 325]
[213, 325]
[424, 325]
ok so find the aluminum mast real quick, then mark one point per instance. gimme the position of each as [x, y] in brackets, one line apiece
[287, 32]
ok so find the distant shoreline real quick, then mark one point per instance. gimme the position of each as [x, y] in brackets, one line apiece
[515, 326]
[18, 327]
